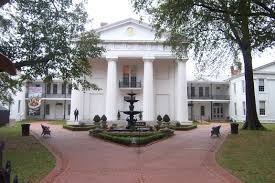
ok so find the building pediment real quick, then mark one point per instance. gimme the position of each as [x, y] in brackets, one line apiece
[270, 67]
[127, 30]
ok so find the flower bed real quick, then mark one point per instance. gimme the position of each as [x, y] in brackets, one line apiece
[79, 127]
[131, 138]
[183, 127]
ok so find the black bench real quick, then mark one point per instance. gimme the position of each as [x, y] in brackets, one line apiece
[45, 130]
[216, 131]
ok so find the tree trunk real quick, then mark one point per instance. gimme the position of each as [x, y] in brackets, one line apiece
[252, 122]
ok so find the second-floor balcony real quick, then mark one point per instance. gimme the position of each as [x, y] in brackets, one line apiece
[209, 97]
[52, 95]
[132, 84]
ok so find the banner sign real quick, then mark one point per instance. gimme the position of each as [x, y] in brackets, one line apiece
[35, 94]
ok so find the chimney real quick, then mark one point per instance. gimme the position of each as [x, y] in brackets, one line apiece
[103, 24]
[234, 71]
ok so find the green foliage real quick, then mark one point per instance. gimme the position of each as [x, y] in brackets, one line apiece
[217, 32]
[247, 152]
[127, 139]
[47, 39]
[79, 127]
[183, 127]
[166, 118]
[104, 118]
[30, 160]
[178, 124]
[96, 119]
[159, 118]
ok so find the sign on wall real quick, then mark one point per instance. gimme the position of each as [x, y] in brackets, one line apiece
[35, 94]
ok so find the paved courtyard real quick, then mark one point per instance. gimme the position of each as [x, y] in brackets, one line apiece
[186, 157]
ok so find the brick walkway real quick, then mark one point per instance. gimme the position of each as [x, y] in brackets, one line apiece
[186, 157]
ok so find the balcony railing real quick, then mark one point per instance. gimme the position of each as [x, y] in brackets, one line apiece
[214, 97]
[58, 95]
[125, 84]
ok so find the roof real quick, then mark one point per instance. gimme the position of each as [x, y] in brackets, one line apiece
[256, 69]
[122, 22]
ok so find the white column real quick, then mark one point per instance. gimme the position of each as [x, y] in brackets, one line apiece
[148, 89]
[182, 104]
[111, 90]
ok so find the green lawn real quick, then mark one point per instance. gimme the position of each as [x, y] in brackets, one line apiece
[29, 159]
[250, 156]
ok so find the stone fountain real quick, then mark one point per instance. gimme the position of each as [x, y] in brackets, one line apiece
[131, 120]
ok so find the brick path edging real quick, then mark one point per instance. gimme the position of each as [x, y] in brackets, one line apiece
[61, 162]
[211, 164]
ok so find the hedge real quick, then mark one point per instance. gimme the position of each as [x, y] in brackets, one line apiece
[183, 127]
[127, 140]
[79, 127]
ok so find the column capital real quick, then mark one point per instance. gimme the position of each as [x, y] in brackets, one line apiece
[182, 60]
[148, 58]
[112, 58]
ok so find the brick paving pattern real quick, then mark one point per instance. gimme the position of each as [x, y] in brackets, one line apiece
[187, 157]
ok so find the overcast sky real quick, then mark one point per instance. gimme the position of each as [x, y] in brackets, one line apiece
[111, 11]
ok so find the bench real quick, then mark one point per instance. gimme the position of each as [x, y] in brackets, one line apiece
[216, 131]
[45, 130]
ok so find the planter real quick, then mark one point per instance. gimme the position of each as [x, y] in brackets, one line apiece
[234, 128]
[25, 129]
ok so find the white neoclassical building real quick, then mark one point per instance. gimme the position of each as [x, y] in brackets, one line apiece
[264, 86]
[134, 61]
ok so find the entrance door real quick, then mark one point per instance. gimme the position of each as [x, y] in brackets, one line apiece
[59, 113]
[217, 111]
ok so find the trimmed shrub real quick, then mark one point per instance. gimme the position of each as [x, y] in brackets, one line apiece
[178, 124]
[95, 131]
[159, 118]
[104, 118]
[78, 127]
[166, 118]
[104, 124]
[167, 131]
[96, 118]
[183, 127]
[82, 124]
[127, 140]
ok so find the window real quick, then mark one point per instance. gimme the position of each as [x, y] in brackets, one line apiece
[37, 85]
[200, 91]
[202, 111]
[130, 75]
[261, 85]
[244, 108]
[48, 89]
[63, 88]
[192, 91]
[235, 107]
[69, 109]
[234, 85]
[19, 105]
[262, 107]
[207, 91]
[243, 86]
[54, 88]
[70, 89]
[47, 109]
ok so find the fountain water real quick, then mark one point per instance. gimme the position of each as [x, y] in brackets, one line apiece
[131, 120]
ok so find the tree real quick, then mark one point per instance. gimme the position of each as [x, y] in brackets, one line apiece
[48, 40]
[218, 30]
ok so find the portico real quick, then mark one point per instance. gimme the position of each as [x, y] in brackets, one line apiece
[134, 60]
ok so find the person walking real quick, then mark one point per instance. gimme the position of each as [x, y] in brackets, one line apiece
[76, 112]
